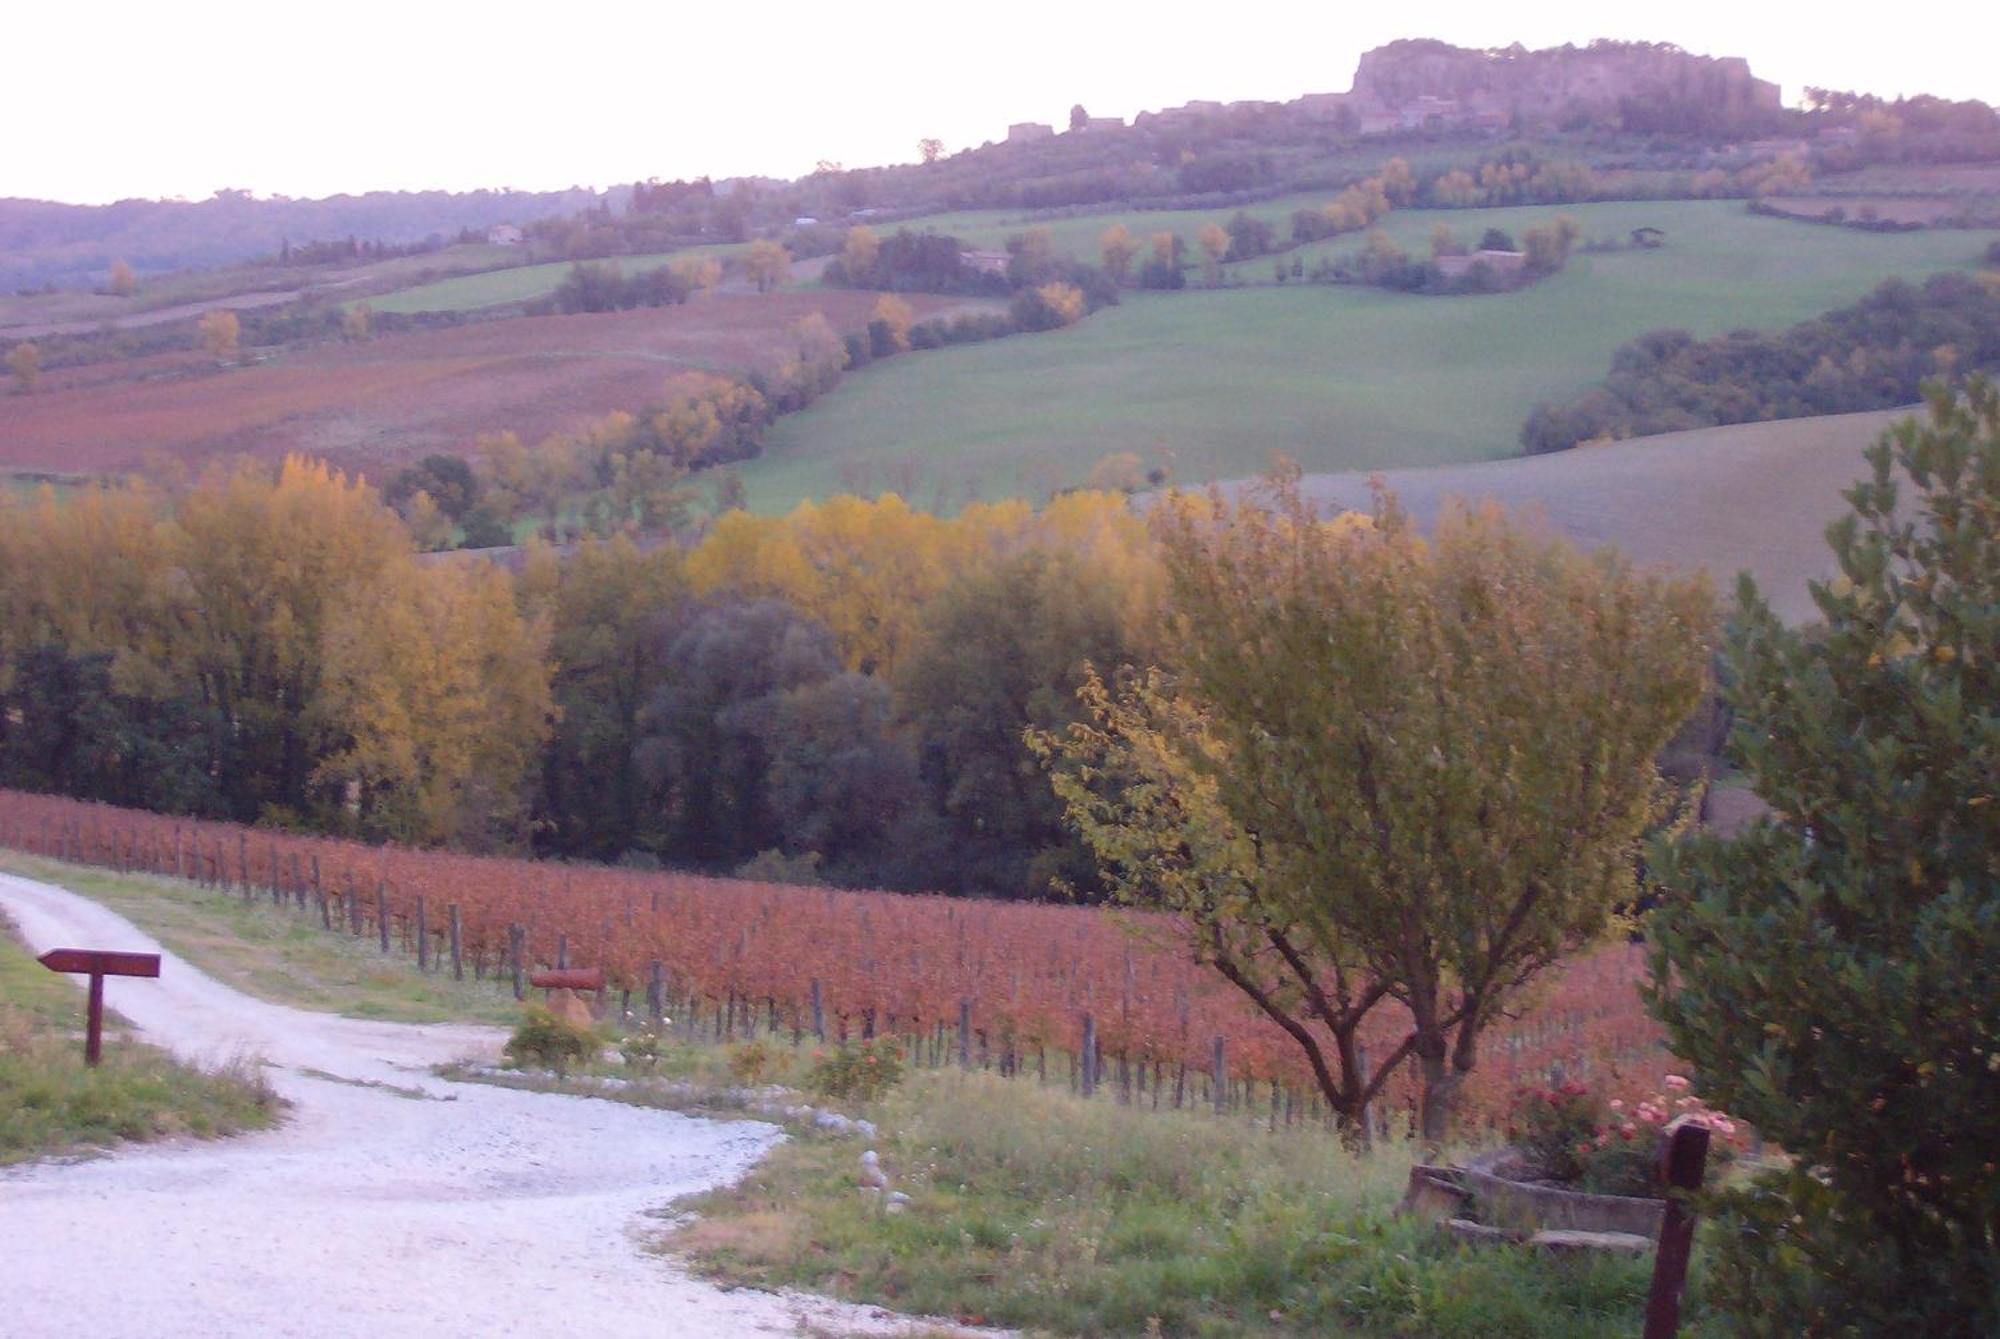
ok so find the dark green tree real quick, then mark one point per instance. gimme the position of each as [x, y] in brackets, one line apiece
[702, 735]
[843, 783]
[1005, 649]
[1834, 971]
[449, 481]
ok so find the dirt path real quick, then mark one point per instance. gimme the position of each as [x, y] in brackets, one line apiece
[442, 1209]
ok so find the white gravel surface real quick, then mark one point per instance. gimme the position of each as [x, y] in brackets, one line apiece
[472, 1210]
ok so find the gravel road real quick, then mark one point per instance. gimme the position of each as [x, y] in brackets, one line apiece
[443, 1209]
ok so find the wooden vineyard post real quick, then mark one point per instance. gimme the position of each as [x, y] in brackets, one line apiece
[382, 913]
[243, 863]
[423, 937]
[1683, 1159]
[514, 937]
[656, 992]
[1221, 1091]
[965, 1033]
[457, 943]
[319, 896]
[562, 952]
[819, 1013]
[1086, 1064]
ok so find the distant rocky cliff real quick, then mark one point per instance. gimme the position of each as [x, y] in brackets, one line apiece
[1643, 85]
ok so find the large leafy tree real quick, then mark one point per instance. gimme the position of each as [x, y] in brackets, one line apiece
[1380, 768]
[1005, 649]
[1833, 973]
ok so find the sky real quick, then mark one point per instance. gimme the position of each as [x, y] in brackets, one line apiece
[107, 101]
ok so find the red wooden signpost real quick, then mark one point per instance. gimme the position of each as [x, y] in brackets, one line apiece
[100, 963]
[568, 978]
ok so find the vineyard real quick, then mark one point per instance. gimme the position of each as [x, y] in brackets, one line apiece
[1007, 985]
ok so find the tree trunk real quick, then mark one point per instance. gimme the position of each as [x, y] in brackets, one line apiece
[1440, 1092]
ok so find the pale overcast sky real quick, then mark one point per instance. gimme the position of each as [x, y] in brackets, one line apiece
[110, 100]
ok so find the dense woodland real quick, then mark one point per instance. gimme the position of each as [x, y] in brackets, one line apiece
[839, 694]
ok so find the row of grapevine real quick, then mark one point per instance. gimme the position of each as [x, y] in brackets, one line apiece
[1026, 975]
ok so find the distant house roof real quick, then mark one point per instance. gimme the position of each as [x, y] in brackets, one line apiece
[991, 262]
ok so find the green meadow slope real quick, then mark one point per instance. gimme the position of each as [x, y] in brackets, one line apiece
[1209, 385]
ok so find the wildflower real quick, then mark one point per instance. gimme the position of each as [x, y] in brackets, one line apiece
[1676, 1083]
[1617, 1104]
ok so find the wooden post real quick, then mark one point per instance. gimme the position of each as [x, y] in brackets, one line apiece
[319, 896]
[964, 1032]
[656, 993]
[382, 913]
[1086, 1068]
[1221, 1066]
[423, 937]
[243, 863]
[562, 952]
[1683, 1158]
[819, 1012]
[457, 943]
[93, 1037]
[514, 952]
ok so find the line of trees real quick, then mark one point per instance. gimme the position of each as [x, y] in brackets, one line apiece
[1872, 355]
[842, 690]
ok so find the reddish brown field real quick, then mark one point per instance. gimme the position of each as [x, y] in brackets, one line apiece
[398, 397]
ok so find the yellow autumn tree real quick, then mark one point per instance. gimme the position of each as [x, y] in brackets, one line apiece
[440, 690]
[858, 253]
[1214, 243]
[767, 264]
[1116, 247]
[24, 360]
[697, 272]
[218, 333]
[897, 316]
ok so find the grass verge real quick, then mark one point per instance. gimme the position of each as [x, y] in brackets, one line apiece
[1030, 1207]
[278, 955]
[51, 1103]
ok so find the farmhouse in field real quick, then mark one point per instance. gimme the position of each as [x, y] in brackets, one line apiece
[1506, 267]
[1027, 132]
[504, 234]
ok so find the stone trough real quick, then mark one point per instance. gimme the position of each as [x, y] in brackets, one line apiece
[1488, 1200]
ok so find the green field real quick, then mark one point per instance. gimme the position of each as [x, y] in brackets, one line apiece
[523, 283]
[1210, 384]
[990, 228]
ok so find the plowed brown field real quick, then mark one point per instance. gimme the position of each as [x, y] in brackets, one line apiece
[398, 397]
